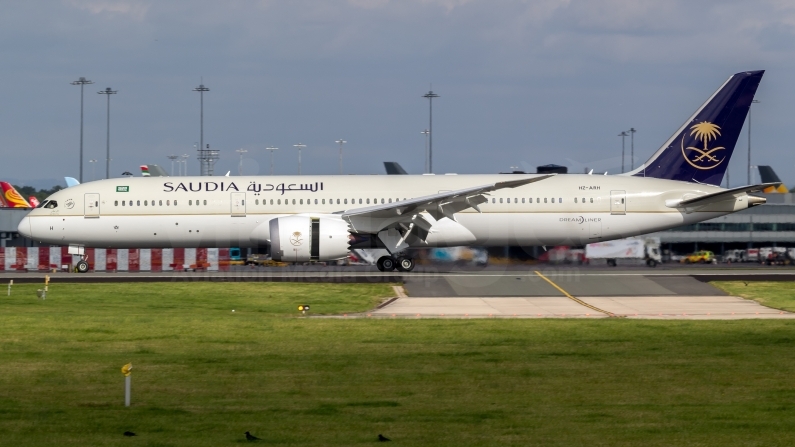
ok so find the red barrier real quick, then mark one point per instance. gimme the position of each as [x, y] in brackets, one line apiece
[179, 259]
[44, 258]
[157, 260]
[21, 260]
[134, 261]
[223, 259]
[111, 260]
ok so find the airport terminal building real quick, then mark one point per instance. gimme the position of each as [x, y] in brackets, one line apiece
[770, 225]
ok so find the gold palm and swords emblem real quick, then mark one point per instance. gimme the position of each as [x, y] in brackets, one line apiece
[704, 131]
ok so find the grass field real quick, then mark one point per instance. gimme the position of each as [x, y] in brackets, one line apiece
[772, 294]
[203, 375]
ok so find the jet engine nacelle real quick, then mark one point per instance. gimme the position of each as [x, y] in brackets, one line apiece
[306, 238]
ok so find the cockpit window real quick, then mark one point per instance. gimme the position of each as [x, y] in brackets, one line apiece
[41, 205]
[51, 204]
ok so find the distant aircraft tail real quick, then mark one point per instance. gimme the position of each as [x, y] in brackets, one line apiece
[152, 171]
[700, 150]
[769, 176]
[34, 202]
[394, 168]
[12, 198]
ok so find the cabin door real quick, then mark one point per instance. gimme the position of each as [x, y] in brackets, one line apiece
[238, 204]
[618, 202]
[91, 205]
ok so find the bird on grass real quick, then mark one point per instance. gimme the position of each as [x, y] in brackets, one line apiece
[250, 437]
[382, 438]
[746, 283]
[129, 433]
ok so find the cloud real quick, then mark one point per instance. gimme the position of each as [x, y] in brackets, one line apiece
[134, 9]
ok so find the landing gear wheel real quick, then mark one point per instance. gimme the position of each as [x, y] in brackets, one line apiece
[82, 267]
[405, 264]
[385, 263]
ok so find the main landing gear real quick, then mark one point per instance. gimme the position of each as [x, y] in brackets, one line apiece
[388, 263]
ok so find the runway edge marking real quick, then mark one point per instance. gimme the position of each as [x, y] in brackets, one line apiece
[575, 299]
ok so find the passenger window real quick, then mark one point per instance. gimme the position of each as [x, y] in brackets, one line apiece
[493, 200]
[160, 202]
[146, 203]
[138, 203]
[175, 203]
[302, 201]
[316, 201]
[545, 200]
[522, 199]
[256, 201]
[293, 201]
[368, 201]
[591, 199]
[115, 203]
[360, 201]
[190, 202]
[122, 203]
[131, 203]
[168, 202]
[500, 199]
[575, 200]
[279, 202]
[538, 200]
[242, 202]
[271, 201]
[560, 199]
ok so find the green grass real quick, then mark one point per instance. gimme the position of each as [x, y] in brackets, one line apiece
[203, 375]
[775, 294]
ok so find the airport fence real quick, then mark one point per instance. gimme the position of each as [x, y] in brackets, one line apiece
[23, 259]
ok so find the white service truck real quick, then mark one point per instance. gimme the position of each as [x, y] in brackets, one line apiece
[633, 248]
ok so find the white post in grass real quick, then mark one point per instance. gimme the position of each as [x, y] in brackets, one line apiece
[126, 370]
[10, 283]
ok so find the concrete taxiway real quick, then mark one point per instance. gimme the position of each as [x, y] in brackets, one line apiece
[508, 292]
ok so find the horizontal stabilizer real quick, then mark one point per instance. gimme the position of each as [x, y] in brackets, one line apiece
[720, 196]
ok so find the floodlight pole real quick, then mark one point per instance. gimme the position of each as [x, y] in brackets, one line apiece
[755, 101]
[299, 146]
[340, 142]
[426, 132]
[623, 136]
[185, 163]
[82, 83]
[430, 95]
[240, 151]
[271, 149]
[172, 158]
[108, 92]
[632, 150]
[201, 89]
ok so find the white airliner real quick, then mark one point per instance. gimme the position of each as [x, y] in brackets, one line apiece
[320, 218]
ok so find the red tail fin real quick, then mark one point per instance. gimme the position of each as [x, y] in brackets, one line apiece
[12, 197]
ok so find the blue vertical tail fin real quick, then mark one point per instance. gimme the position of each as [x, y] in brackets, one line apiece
[700, 150]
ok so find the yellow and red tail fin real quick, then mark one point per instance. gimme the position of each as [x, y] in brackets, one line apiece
[12, 197]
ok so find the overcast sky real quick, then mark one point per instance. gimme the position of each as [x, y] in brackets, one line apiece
[521, 83]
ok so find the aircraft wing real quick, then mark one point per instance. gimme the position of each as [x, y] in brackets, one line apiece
[406, 213]
[717, 196]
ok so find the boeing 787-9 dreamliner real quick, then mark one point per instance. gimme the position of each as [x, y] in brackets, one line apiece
[321, 218]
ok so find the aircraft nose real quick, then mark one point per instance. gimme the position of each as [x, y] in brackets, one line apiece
[24, 228]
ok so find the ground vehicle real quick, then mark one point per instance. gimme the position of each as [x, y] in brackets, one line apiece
[731, 256]
[776, 255]
[637, 248]
[700, 257]
[235, 256]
